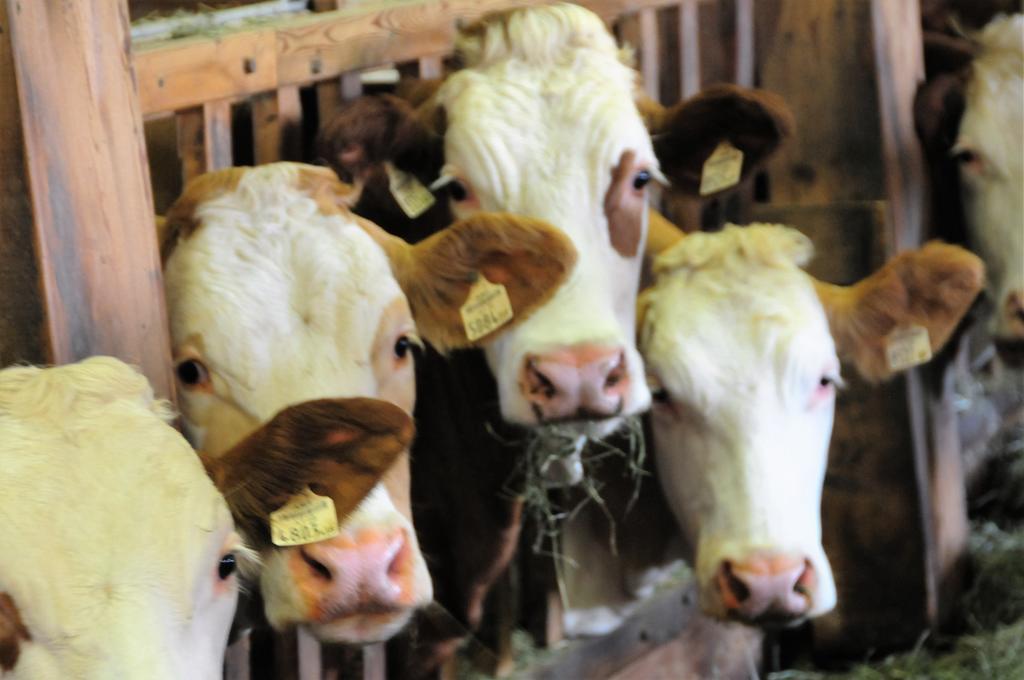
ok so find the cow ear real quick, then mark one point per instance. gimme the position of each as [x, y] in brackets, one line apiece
[530, 258]
[756, 122]
[338, 447]
[374, 129]
[932, 287]
[12, 633]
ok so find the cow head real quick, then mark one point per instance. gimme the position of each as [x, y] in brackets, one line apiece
[545, 120]
[277, 295]
[971, 121]
[743, 349]
[120, 556]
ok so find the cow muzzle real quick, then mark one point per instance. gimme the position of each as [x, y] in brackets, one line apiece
[767, 589]
[581, 382]
[1009, 339]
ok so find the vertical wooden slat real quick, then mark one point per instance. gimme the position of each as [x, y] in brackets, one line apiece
[217, 134]
[689, 48]
[98, 259]
[310, 666]
[374, 662]
[289, 118]
[191, 143]
[745, 43]
[22, 336]
[649, 56]
[266, 128]
[236, 660]
[899, 62]
[351, 86]
[431, 67]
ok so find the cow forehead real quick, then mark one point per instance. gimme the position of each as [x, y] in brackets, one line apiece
[742, 297]
[995, 91]
[275, 287]
[115, 492]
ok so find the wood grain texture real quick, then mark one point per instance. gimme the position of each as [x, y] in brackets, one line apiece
[177, 74]
[191, 144]
[22, 336]
[818, 55]
[98, 256]
[217, 134]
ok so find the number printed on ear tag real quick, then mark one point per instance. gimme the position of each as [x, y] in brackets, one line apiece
[907, 347]
[487, 308]
[409, 192]
[305, 518]
[722, 169]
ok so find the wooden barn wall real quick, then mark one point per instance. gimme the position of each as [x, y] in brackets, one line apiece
[21, 312]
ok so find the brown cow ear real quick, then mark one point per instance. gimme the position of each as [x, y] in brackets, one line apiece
[932, 287]
[12, 633]
[528, 257]
[756, 122]
[374, 129]
[339, 447]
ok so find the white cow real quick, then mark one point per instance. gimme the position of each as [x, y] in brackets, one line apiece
[743, 351]
[119, 554]
[544, 119]
[974, 118]
[278, 295]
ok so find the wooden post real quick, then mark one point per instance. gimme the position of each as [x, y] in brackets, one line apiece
[22, 336]
[93, 208]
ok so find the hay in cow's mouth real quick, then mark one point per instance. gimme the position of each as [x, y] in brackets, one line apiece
[555, 476]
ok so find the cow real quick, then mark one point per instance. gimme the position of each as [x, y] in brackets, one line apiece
[277, 294]
[545, 119]
[743, 352]
[120, 557]
[970, 118]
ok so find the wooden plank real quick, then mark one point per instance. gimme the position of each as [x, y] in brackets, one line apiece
[351, 86]
[375, 662]
[22, 315]
[217, 134]
[266, 128]
[98, 256]
[182, 73]
[310, 667]
[649, 61]
[431, 67]
[745, 43]
[236, 659]
[670, 618]
[177, 74]
[191, 144]
[815, 53]
[689, 48]
[289, 116]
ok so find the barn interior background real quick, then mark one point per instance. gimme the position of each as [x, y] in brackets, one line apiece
[185, 96]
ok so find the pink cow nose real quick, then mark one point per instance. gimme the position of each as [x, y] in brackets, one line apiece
[370, 572]
[579, 382]
[767, 587]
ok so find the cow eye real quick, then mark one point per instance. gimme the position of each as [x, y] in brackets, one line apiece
[641, 179]
[965, 156]
[228, 565]
[406, 344]
[192, 372]
[658, 392]
[457, 190]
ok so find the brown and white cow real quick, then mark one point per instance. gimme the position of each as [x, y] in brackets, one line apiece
[119, 554]
[544, 120]
[277, 294]
[743, 350]
[970, 117]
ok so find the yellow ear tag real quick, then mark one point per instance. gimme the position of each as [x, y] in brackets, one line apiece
[722, 169]
[487, 308]
[907, 347]
[409, 192]
[305, 518]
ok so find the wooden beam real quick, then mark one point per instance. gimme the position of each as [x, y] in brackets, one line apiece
[182, 73]
[22, 316]
[217, 134]
[86, 155]
[689, 48]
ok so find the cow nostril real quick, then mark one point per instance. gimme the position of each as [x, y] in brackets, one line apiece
[397, 562]
[617, 373]
[736, 586]
[316, 566]
[539, 383]
[805, 581]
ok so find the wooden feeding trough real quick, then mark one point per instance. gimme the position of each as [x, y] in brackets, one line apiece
[80, 268]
